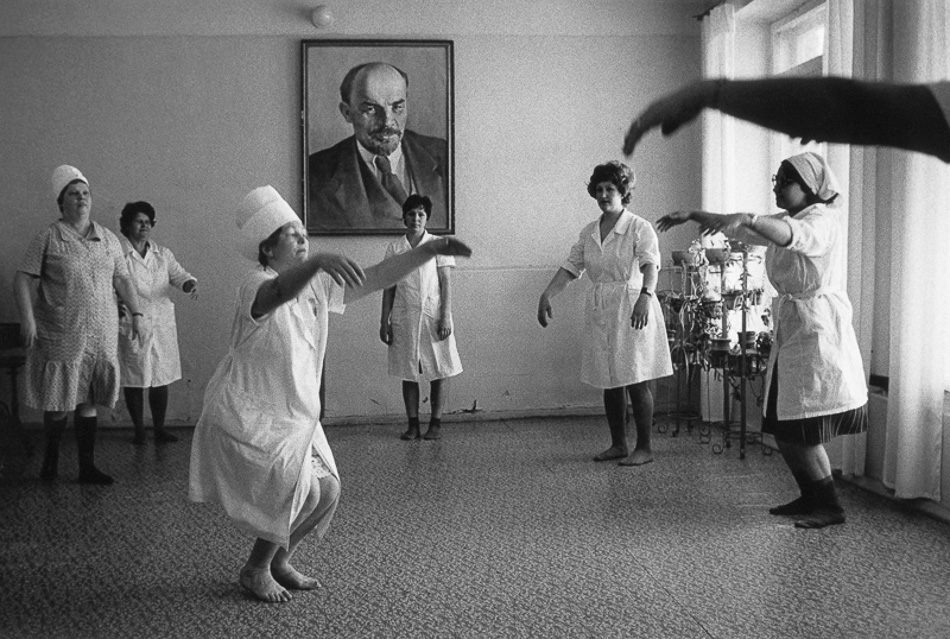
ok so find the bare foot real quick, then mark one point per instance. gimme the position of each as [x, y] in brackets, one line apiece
[262, 585]
[288, 577]
[614, 452]
[638, 458]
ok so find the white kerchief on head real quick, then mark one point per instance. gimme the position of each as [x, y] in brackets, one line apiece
[260, 213]
[63, 175]
[817, 175]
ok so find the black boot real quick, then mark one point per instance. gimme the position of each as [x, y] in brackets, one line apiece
[54, 434]
[826, 509]
[86, 443]
[158, 404]
[435, 429]
[413, 431]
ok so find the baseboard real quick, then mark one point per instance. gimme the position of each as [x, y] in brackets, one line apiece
[925, 506]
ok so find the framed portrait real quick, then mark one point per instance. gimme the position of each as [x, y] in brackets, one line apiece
[378, 127]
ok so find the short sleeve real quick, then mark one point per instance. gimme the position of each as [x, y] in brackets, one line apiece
[575, 264]
[441, 260]
[814, 233]
[334, 293]
[648, 244]
[444, 261]
[32, 263]
[247, 293]
[177, 275]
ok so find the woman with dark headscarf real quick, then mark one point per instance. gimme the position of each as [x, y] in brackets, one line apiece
[624, 345]
[71, 331]
[815, 377]
[153, 362]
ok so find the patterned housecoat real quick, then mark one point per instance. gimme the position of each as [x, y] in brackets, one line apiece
[74, 359]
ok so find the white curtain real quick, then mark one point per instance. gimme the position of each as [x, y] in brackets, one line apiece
[920, 264]
[848, 453]
[719, 36]
[868, 184]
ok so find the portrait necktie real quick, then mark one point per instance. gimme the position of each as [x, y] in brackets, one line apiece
[390, 182]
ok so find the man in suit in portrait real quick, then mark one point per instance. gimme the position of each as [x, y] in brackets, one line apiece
[362, 182]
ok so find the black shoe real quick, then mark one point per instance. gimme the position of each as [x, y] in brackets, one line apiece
[800, 506]
[93, 475]
[49, 472]
[410, 434]
[821, 518]
[164, 437]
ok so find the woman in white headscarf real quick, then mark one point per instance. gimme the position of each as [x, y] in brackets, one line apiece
[71, 331]
[259, 448]
[815, 376]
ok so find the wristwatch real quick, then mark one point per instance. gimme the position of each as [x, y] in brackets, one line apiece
[646, 291]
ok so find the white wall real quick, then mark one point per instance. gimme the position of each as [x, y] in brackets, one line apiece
[189, 107]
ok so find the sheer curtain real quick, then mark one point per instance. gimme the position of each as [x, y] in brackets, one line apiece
[870, 61]
[920, 258]
[847, 452]
[719, 35]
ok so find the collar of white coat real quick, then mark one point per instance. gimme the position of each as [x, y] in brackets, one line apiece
[622, 227]
[128, 247]
[425, 238]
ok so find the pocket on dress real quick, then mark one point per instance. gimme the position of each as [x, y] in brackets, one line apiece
[245, 420]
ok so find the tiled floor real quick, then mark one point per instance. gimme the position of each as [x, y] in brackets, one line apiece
[502, 529]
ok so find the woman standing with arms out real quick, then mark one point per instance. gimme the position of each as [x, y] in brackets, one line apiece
[815, 375]
[259, 448]
[625, 343]
[152, 363]
[71, 332]
[416, 322]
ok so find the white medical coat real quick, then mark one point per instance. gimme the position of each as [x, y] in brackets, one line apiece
[614, 353]
[153, 360]
[416, 352]
[820, 370]
[260, 425]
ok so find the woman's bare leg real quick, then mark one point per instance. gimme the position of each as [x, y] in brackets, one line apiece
[321, 503]
[256, 573]
[437, 392]
[641, 396]
[410, 397]
[615, 406]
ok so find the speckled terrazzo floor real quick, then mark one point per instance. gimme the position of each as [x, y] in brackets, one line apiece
[502, 529]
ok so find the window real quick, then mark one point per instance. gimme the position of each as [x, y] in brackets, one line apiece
[799, 39]
[798, 46]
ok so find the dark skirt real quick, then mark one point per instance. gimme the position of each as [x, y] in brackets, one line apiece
[811, 431]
